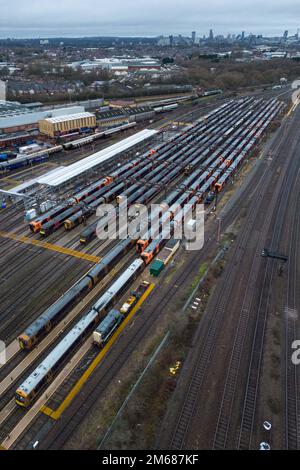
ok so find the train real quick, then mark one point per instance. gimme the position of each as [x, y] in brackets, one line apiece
[32, 334]
[142, 194]
[40, 377]
[83, 203]
[50, 221]
[196, 187]
[164, 109]
[98, 135]
[212, 92]
[28, 160]
[35, 332]
[39, 156]
[106, 328]
[36, 224]
[29, 149]
[4, 157]
[115, 317]
[28, 391]
[58, 221]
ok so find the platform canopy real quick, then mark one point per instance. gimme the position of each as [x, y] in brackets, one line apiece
[75, 169]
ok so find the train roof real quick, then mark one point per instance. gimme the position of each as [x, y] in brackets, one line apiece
[70, 117]
[63, 346]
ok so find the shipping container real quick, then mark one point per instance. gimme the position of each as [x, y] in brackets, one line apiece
[156, 268]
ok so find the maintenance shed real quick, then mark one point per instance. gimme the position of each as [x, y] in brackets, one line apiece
[63, 124]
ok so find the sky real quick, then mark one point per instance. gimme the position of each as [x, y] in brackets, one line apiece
[77, 18]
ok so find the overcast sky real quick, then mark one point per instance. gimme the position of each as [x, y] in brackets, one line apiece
[40, 18]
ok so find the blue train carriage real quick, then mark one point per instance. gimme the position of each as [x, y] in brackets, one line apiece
[106, 328]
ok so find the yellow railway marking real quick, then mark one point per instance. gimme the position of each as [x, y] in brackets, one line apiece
[292, 109]
[50, 246]
[56, 414]
[48, 411]
[3, 448]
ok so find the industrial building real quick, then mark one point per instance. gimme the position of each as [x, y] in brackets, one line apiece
[60, 125]
[119, 65]
[16, 117]
[124, 115]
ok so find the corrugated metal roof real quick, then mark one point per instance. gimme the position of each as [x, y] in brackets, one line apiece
[71, 171]
[70, 117]
[12, 108]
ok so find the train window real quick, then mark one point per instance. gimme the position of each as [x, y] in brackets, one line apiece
[20, 398]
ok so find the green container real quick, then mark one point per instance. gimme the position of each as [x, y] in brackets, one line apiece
[156, 268]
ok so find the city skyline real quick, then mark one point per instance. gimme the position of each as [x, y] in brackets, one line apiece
[116, 18]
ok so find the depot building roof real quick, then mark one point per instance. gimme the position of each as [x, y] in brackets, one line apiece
[70, 117]
[65, 174]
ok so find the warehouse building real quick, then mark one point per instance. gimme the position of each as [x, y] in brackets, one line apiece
[119, 116]
[61, 125]
[16, 117]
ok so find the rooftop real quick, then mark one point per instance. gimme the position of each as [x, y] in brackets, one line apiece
[12, 108]
[70, 117]
[63, 175]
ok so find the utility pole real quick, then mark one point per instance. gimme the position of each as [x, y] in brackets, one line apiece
[219, 230]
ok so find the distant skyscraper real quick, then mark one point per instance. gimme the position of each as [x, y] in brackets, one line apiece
[193, 37]
[211, 35]
[243, 35]
[171, 39]
[2, 90]
[285, 34]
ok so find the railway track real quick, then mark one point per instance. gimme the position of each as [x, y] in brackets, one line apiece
[78, 416]
[50, 341]
[225, 412]
[57, 437]
[25, 263]
[290, 374]
[245, 437]
[83, 410]
[200, 368]
[188, 272]
[29, 295]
